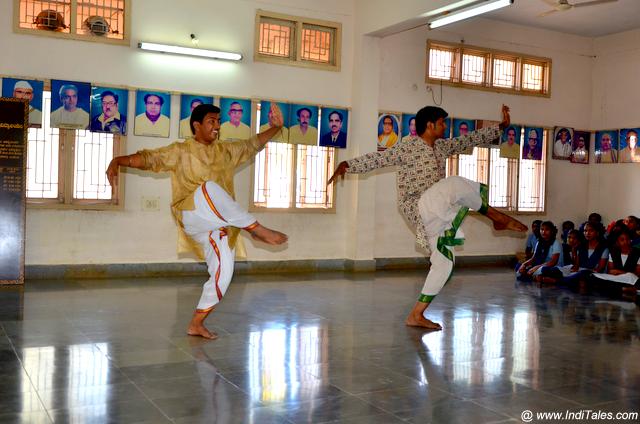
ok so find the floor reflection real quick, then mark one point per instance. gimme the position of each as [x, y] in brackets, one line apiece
[314, 349]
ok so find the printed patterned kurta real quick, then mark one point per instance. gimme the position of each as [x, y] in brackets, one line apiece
[421, 166]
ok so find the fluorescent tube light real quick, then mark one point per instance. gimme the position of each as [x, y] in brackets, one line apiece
[189, 51]
[484, 7]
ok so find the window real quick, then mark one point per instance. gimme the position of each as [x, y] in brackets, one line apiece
[297, 41]
[67, 168]
[516, 185]
[95, 20]
[485, 69]
[289, 176]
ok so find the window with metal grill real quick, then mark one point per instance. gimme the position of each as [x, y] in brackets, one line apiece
[293, 177]
[486, 69]
[67, 168]
[516, 185]
[297, 41]
[95, 20]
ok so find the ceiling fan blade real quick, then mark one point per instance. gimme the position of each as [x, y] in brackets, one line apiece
[548, 12]
[593, 3]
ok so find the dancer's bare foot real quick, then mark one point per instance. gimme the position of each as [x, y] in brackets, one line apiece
[201, 331]
[268, 235]
[502, 221]
[420, 321]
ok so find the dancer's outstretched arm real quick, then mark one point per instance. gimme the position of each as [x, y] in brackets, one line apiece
[479, 138]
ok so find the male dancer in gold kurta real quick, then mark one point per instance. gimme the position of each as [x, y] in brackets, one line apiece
[209, 220]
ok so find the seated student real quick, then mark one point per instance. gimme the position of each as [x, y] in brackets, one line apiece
[623, 272]
[547, 253]
[614, 229]
[592, 257]
[532, 240]
[594, 218]
[554, 274]
[566, 227]
[633, 224]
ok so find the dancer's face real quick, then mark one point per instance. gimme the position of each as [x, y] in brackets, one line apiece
[207, 130]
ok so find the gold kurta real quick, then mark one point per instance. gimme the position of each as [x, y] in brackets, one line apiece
[191, 164]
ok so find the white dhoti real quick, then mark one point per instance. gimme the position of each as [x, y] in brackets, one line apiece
[214, 210]
[442, 208]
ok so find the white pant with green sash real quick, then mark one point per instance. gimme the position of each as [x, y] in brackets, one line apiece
[442, 208]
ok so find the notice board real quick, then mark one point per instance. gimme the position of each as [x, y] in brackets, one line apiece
[14, 127]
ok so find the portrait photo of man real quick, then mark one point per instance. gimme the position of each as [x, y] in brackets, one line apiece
[109, 110]
[235, 116]
[70, 104]
[408, 127]
[532, 148]
[606, 148]
[152, 114]
[629, 149]
[188, 102]
[462, 127]
[333, 128]
[510, 143]
[581, 141]
[267, 119]
[562, 145]
[30, 90]
[306, 129]
[388, 130]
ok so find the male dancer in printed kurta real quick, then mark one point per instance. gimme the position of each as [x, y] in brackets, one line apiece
[433, 204]
[209, 220]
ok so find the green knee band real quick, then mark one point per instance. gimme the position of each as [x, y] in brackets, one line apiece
[484, 194]
[425, 298]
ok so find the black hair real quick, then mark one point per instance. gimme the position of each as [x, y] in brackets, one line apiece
[428, 114]
[336, 112]
[109, 93]
[568, 224]
[146, 96]
[200, 112]
[299, 111]
[595, 215]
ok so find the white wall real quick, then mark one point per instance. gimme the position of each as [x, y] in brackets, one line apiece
[376, 73]
[403, 66]
[129, 236]
[613, 189]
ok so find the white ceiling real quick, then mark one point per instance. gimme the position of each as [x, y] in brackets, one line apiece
[591, 21]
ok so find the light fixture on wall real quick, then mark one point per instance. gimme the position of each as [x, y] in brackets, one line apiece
[466, 10]
[189, 51]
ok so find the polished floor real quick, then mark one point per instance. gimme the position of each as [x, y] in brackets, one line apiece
[313, 348]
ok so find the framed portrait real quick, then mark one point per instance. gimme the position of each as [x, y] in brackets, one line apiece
[580, 147]
[629, 149]
[304, 125]
[388, 130]
[109, 110]
[26, 89]
[606, 146]
[510, 142]
[188, 102]
[70, 104]
[266, 116]
[562, 143]
[334, 125]
[460, 127]
[153, 113]
[235, 119]
[409, 126]
[533, 143]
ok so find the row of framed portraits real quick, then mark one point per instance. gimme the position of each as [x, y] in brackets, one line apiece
[525, 142]
[80, 105]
